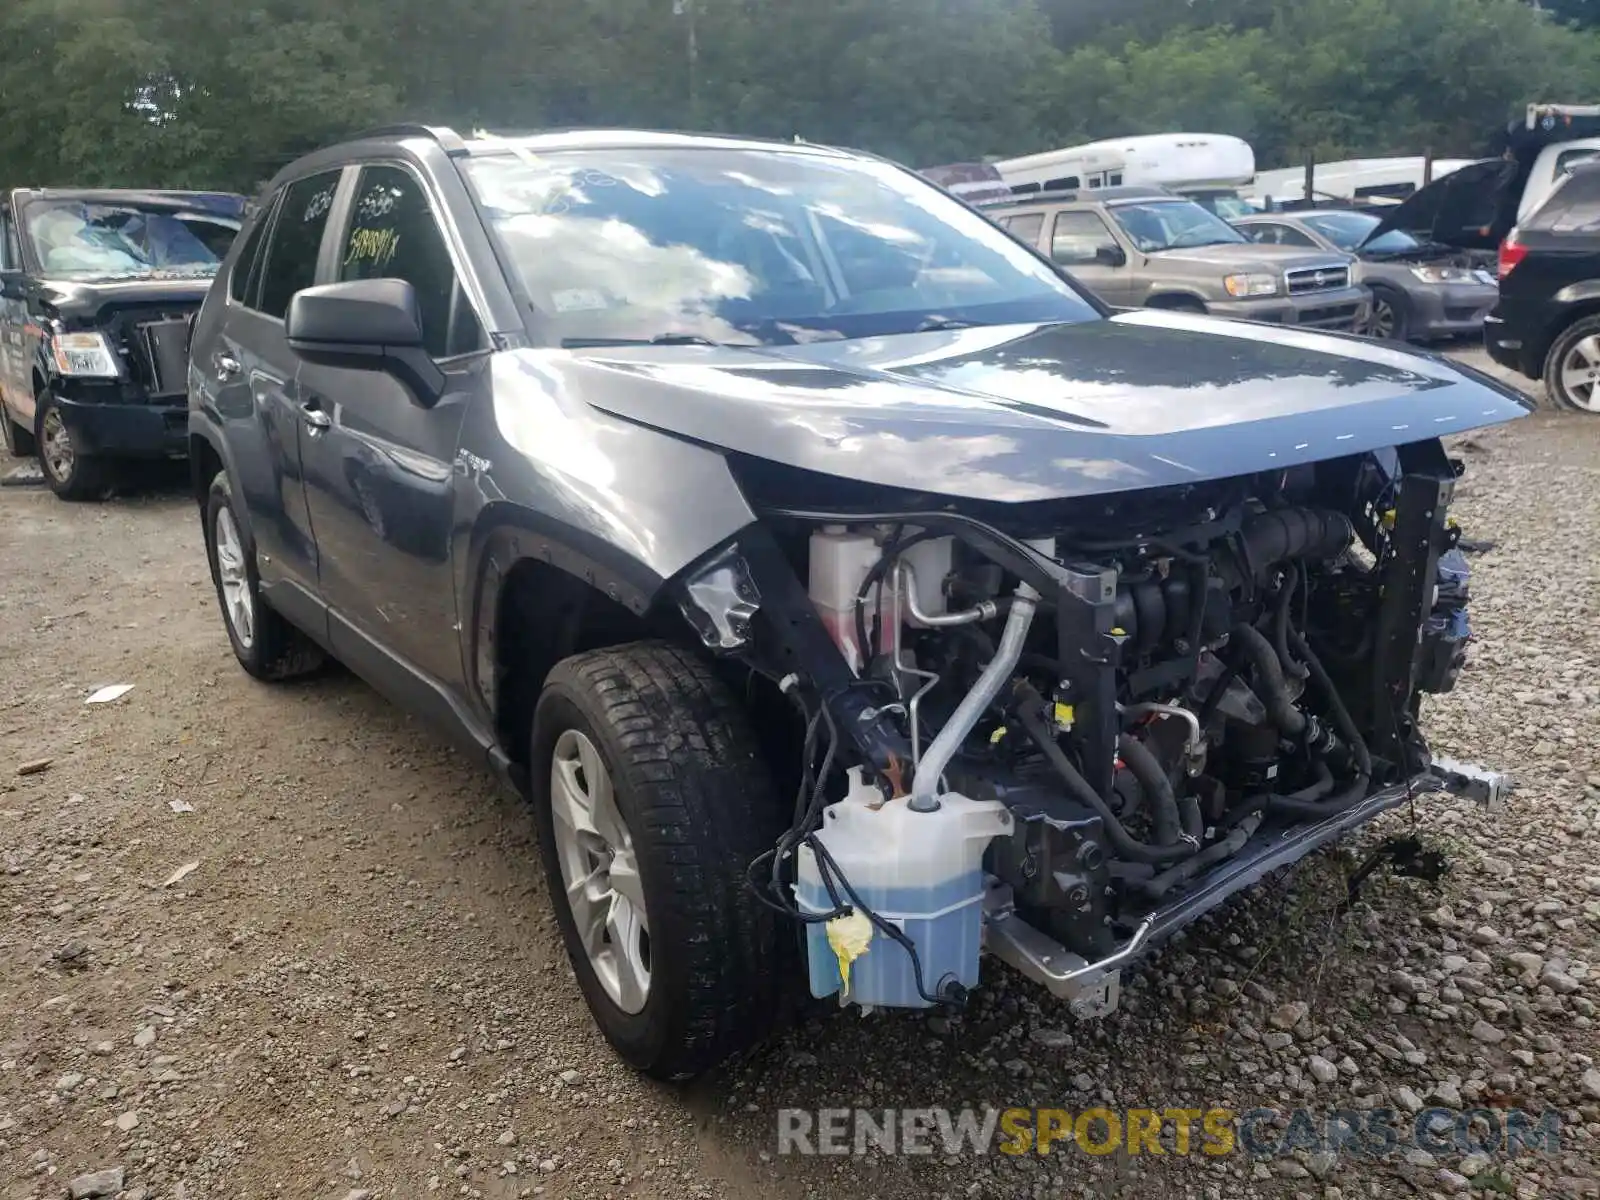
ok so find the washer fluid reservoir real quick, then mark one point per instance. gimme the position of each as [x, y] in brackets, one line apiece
[920, 871]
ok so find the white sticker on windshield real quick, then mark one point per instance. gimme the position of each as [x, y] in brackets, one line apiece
[577, 300]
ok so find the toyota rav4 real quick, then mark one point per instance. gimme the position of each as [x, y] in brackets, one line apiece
[850, 592]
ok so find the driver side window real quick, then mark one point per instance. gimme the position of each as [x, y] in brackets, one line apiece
[394, 234]
[1079, 238]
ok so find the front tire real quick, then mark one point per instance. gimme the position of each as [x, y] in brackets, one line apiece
[1391, 316]
[71, 474]
[651, 800]
[1572, 368]
[266, 645]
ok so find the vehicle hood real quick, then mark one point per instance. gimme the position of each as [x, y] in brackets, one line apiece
[87, 298]
[1019, 413]
[1471, 208]
[1251, 256]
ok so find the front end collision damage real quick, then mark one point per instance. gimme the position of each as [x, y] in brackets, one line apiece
[746, 601]
[1158, 717]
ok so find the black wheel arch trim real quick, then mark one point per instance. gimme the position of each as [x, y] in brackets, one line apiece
[505, 535]
[203, 427]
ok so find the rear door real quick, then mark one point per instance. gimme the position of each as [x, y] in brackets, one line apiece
[252, 373]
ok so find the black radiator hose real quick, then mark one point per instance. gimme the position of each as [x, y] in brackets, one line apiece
[1125, 844]
[1274, 689]
[1356, 792]
[1155, 785]
[1341, 715]
[1280, 625]
[1232, 835]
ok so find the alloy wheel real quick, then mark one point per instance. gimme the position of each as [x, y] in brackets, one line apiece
[600, 871]
[58, 453]
[237, 602]
[1382, 322]
[1580, 374]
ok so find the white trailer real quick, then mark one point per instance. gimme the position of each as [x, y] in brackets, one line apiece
[1206, 166]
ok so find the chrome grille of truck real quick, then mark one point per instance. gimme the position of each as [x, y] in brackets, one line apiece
[1317, 279]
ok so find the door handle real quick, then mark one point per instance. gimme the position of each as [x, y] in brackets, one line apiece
[316, 420]
[227, 366]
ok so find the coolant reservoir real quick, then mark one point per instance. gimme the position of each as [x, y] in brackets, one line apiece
[840, 560]
[920, 871]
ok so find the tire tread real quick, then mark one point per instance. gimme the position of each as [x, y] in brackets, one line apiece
[708, 807]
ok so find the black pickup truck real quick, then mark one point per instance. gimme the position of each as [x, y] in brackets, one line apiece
[97, 292]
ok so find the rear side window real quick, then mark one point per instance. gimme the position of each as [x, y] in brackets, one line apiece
[291, 262]
[394, 235]
[1574, 207]
[1027, 228]
[242, 284]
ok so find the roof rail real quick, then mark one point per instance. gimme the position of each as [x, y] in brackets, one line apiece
[449, 140]
[1119, 191]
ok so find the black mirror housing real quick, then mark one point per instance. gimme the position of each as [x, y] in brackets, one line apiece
[365, 324]
[1111, 256]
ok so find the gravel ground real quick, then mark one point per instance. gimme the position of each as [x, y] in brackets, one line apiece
[333, 974]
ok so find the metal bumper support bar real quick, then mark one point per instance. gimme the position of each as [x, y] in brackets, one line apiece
[1092, 988]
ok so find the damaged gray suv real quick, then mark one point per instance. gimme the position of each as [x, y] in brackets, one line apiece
[850, 593]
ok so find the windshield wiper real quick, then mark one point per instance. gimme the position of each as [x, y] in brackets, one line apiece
[937, 322]
[660, 339]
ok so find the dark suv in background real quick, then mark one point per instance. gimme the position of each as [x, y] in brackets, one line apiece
[1547, 323]
[97, 292]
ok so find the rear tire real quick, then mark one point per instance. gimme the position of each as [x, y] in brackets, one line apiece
[71, 474]
[651, 798]
[19, 441]
[1572, 367]
[266, 645]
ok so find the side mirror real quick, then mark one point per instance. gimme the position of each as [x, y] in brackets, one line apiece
[11, 286]
[1110, 256]
[365, 324]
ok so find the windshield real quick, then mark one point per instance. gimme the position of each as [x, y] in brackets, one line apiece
[748, 246]
[1348, 230]
[1173, 225]
[74, 237]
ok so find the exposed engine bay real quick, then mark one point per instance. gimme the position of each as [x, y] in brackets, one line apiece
[1058, 733]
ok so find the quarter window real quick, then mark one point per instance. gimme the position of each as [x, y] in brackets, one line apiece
[394, 235]
[291, 263]
[1574, 207]
[242, 284]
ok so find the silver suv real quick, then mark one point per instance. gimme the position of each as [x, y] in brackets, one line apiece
[1144, 247]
